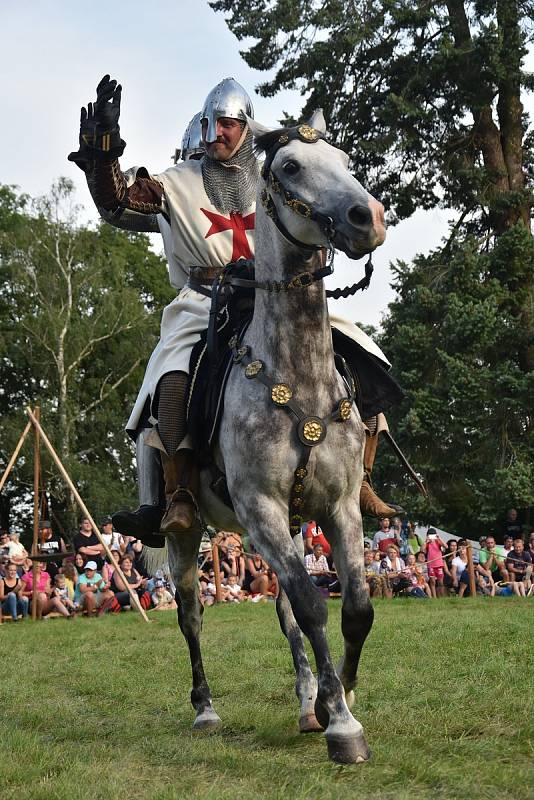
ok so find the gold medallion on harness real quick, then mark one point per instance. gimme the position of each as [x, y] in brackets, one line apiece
[298, 488]
[283, 139]
[308, 133]
[281, 394]
[301, 472]
[345, 409]
[252, 369]
[312, 430]
[297, 502]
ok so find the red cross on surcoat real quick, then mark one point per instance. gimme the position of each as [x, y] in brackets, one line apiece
[236, 223]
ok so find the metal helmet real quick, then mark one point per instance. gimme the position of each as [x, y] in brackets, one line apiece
[192, 140]
[227, 99]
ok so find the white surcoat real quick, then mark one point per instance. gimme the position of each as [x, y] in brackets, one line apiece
[200, 236]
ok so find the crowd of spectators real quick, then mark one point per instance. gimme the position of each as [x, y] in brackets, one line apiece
[398, 560]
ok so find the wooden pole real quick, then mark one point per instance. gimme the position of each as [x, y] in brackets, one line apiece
[13, 458]
[36, 473]
[471, 571]
[83, 507]
[217, 571]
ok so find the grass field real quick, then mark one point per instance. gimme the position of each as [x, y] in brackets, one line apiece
[99, 709]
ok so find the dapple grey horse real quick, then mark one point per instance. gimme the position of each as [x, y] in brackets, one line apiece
[259, 450]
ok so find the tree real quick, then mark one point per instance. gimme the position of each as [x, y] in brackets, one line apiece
[467, 418]
[80, 310]
[426, 97]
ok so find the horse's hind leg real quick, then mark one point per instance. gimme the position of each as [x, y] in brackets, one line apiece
[183, 551]
[345, 534]
[306, 685]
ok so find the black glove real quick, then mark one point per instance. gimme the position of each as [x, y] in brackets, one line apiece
[99, 126]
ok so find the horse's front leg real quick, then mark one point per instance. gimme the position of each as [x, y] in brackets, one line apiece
[183, 551]
[305, 685]
[267, 523]
[345, 533]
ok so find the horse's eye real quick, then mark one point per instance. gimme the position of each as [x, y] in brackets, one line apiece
[291, 167]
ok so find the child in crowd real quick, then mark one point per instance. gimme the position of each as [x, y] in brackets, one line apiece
[62, 590]
[235, 593]
[162, 599]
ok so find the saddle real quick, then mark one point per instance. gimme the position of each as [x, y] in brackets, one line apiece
[212, 360]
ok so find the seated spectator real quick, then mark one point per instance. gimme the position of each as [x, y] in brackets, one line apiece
[508, 543]
[519, 566]
[92, 591]
[260, 580]
[12, 598]
[4, 544]
[385, 537]
[50, 543]
[136, 582]
[414, 573]
[17, 552]
[88, 544]
[162, 599]
[392, 567]
[434, 547]
[79, 563]
[450, 553]
[313, 535]
[458, 568]
[317, 567]
[492, 560]
[208, 590]
[46, 603]
[375, 582]
[110, 536]
[232, 561]
[109, 566]
[235, 592]
[61, 589]
[71, 576]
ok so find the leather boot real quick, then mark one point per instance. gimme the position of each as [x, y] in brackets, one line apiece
[370, 502]
[144, 523]
[181, 487]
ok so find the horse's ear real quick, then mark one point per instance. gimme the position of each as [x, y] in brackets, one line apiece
[256, 128]
[318, 121]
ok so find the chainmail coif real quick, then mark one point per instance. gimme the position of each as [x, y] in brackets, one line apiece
[231, 185]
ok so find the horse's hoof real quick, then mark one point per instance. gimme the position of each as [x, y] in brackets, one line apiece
[206, 721]
[322, 715]
[309, 723]
[348, 749]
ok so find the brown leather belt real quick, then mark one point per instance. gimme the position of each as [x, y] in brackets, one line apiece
[205, 275]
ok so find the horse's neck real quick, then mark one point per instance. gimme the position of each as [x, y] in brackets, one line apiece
[290, 330]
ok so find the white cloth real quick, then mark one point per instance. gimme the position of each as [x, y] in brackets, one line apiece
[199, 236]
[459, 564]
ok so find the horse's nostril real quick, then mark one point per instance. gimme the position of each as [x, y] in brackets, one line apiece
[359, 215]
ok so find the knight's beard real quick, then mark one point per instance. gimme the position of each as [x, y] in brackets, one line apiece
[231, 184]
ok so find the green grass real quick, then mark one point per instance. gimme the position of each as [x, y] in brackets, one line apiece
[100, 708]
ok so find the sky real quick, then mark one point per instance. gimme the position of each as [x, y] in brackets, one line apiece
[167, 55]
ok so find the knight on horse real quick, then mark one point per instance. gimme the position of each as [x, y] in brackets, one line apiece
[205, 209]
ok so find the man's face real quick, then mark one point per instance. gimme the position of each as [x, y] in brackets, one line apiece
[385, 524]
[318, 550]
[228, 134]
[86, 526]
[490, 543]
[508, 541]
[512, 515]
[519, 545]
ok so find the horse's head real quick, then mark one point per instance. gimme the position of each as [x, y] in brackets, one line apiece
[310, 193]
